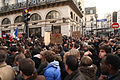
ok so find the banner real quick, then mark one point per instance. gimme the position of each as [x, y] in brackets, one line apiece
[56, 38]
[47, 38]
[76, 35]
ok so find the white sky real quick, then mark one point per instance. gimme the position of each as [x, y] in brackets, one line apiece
[103, 6]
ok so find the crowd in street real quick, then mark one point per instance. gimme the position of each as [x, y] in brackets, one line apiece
[87, 58]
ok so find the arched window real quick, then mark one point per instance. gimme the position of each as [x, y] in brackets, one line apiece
[18, 19]
[6, 21]
[77, 19]
[71, 15]
[35, 17]
[53, 15]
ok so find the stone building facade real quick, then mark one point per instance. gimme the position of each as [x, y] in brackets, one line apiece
[58, 16]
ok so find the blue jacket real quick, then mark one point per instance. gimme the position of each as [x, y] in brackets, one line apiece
[52, 71]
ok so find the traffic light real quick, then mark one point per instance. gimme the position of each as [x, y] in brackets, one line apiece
[26, 15]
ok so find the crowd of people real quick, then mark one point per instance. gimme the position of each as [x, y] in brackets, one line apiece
[87, 58]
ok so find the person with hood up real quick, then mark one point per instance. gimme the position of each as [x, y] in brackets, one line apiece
[52, 71]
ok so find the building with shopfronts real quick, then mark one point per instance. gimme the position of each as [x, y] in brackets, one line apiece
[58, 16]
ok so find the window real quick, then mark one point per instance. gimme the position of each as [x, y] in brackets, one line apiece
[87, 12]
[74, 16]
[35, 17]
[56, 29]
[71, 15]
[53, 15]
[5, 21]
[18, 19]
[91, 11]
[77, 19]
[6, 2]
[19, 1]
[91, 18]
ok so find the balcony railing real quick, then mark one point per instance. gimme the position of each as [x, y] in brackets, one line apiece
[31, 3]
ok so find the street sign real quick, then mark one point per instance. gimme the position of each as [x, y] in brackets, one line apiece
[115, 25]
[102, 20]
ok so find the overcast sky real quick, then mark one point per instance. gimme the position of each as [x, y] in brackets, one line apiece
[103, 6]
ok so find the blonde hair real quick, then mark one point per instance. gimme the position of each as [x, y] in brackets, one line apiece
[86, 61]
[74, 52]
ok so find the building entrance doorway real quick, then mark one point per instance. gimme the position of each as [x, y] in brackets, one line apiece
[56, 29]
[35, 32]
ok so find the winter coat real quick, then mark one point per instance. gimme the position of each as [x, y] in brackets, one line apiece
[6, 72]
[39, 77]
[89, 72]
[52, 71]
[115, 77]
[76, 75]
[40, 70]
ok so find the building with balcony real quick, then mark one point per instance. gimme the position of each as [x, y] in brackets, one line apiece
[90, 19]
[58, 16]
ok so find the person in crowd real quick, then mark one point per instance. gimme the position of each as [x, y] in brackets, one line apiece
[6, 71]
[18, 58]
[43, 63]
[104, 50]
[88, 68]
[112, 44]
[36, 57]
[27, 53]
[28, 71]
[71, 65]
[117, 51]
[52, 71]
[110, 65]
[11, 55]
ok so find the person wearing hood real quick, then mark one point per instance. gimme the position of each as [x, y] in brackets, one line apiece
[52, 71]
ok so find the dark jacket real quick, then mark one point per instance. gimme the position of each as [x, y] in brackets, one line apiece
[76, 75]
[40, 70]
[115, 77]
[89, 72]
[40, 77]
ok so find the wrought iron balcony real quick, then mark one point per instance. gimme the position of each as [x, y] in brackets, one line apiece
[33, 3]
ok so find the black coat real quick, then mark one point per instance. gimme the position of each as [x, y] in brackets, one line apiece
[76, 75]
[115, 77]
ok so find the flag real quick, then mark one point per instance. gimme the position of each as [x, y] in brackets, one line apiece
[15, 33]
[10, 38]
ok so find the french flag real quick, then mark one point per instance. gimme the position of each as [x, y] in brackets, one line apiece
[15, 34]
